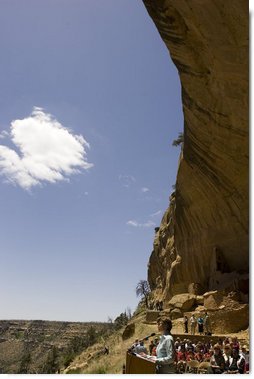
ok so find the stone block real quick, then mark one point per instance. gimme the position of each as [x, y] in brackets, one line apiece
[184, 301]
[213, 299]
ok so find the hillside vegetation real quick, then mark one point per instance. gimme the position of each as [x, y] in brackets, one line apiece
[44, 346]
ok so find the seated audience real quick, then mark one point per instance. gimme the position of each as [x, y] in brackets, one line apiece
[245, 353]
[156, 341]
[227, 355]
[236, 363]
[235, 343]
[151, 346]
[207, 356]
[217, 361]
[190, 356]
[140, 348]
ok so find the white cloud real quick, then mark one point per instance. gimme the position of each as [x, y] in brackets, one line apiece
[126, 180]
[48, 152]
[4, 134]
[136, 224]
[148, 224]
[156, 213]
[145, 189]
[132, 223]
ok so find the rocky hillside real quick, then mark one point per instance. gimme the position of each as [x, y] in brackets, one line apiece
[43, 346]
[202, 243]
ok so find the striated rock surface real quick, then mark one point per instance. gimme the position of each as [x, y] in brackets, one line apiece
[202, 242]
[152, 316]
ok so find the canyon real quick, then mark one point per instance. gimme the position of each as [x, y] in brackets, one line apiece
[36, 346]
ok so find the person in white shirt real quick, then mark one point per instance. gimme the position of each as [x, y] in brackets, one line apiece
[193, 323]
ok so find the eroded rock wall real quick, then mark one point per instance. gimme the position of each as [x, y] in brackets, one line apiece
[203, 237]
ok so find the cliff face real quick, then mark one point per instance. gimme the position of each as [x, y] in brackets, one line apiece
[202, 242]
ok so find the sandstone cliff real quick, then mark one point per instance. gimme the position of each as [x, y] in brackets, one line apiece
[202, 243]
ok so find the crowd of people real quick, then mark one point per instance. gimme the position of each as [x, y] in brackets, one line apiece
[226, 356]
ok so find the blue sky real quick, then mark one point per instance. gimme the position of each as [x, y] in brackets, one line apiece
[88, 84]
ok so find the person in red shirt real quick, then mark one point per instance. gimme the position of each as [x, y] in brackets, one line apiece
[199, 356]
[207, 356]
[181, 359]
[190, 356]
[151, 346]
[181, 355]
[156, 341]
[198, 353]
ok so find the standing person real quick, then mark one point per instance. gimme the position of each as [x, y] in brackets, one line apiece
[185, 321]
[193, 323]
[165, 350]
[200, 325]
[207, 325]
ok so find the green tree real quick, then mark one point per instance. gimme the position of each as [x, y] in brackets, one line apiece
[24, 364]
[91, 335]
[143, 290]
[179, 140]
[51, 365]
[121, 320]
[68, 358]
